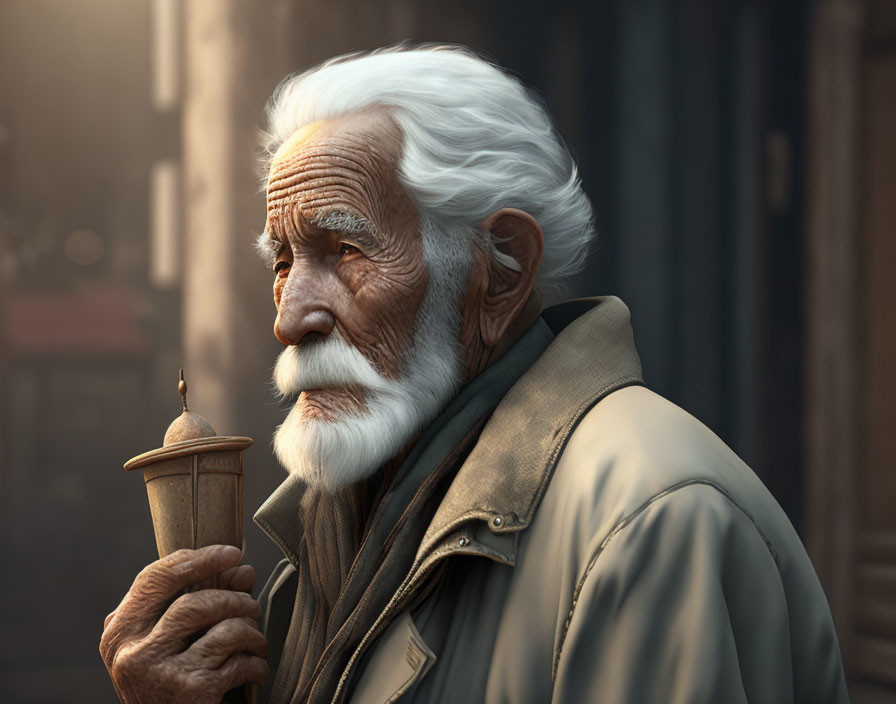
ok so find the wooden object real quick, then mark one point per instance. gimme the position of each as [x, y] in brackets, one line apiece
[194, 483]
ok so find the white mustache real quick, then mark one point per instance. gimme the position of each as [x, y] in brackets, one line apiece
[331, 363]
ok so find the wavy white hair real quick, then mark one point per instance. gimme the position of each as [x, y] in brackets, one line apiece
[475, 141]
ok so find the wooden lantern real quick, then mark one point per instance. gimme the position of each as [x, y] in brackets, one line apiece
[194, 483]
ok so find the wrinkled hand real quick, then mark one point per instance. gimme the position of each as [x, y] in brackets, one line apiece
[149, 642]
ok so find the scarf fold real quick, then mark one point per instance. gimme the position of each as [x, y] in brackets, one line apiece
[329, 546]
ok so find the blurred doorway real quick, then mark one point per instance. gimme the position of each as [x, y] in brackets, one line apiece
[851, 339]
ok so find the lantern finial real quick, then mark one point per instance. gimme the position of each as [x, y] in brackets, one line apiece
[182, 388]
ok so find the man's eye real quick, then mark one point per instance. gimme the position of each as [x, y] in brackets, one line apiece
[345, 249]
[280, 266]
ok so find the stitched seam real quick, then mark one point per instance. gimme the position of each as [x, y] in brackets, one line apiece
[485, 512]
[566, 432]
[419, 672]
[624, 523]
[403, 687]
[480, 550]
[272, 534]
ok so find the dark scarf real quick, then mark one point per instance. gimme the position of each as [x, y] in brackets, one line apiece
[347, 576]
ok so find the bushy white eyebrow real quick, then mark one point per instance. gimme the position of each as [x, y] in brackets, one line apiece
[268, 247]
[348, 222]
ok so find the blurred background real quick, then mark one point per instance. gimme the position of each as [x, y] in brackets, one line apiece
[741, 158]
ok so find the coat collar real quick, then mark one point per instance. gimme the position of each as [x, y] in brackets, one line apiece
[279, 517]
[505, 476]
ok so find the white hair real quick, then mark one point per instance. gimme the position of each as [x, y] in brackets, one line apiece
[328, 454]
[475, 141]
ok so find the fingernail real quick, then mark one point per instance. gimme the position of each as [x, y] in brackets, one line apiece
[231, 552]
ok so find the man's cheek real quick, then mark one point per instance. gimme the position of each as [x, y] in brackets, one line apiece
[378, 343]
[387, 312]
[363, 279]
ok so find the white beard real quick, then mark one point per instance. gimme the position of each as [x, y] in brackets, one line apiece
[329, 454]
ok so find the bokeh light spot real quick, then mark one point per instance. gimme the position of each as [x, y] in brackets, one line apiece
[84, 247]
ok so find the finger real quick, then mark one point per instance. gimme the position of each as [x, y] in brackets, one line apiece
[225, 639]
[161, 581]
[198, 610]
[243, 668]
[154, 588]
[238, 579]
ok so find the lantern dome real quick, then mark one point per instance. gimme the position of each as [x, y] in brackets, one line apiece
[188, 434]
[188, 425]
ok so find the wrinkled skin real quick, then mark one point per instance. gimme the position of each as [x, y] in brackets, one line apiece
[369, 286]
[150, 644]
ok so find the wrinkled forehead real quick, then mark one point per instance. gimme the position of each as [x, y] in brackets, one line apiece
[353, 158]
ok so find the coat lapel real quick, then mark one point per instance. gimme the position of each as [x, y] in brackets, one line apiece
[508, 470]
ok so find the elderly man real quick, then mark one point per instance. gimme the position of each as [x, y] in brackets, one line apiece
[484, 503]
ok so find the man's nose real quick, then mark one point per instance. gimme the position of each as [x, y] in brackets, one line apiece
[302, 314]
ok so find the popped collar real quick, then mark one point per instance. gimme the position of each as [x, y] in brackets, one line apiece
[496, 492]
[504, 477]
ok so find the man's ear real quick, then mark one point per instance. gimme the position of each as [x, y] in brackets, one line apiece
[518, 235]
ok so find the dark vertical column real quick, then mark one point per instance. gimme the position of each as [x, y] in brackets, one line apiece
[782, 314]
[701, 303]
[745, 227]
[593, 144]
[645, 246]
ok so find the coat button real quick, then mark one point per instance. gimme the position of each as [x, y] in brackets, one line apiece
[463, 542]
[498, 521]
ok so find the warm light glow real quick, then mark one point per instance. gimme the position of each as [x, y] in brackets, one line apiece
[165, 55]
[164, 224]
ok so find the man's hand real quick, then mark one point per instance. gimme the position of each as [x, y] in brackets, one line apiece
[149, 642]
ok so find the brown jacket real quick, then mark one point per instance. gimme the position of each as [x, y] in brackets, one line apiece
[600, 544]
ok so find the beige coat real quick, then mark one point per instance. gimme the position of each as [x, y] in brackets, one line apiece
[601, 546]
